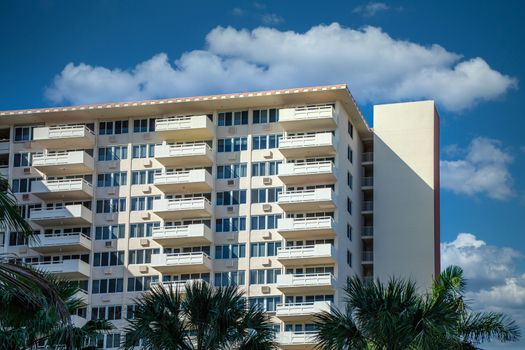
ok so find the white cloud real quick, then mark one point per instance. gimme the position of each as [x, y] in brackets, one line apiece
[271, 19]
[483, 170]
[492, 281]
[371, 8]
[377, 67]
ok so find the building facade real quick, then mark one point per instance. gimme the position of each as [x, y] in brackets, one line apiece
[285, 193]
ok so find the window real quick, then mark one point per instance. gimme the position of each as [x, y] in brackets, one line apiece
[349, 258]
[262, 116]
[130, 311]
[108, 258]
[140, 284]
[141, 256]
[349, 231]
[230, 278]
[349, 180]
[143, 229]
[144, 125]
[109, 232]
[112, 153]
[112, 205]
[231, 171]
[264, 276]
[23, 159]
[233, 118]
[112, 179]
[266, 303]
[263, 222]
[266, 141]
[23, 185]
[263, 249]
[111, 312]
[266, 195]
[109, 285]
[143, 151]
[18, 238]
[112, 340]
[230, 251]
[349, 206]
[231, 197]
[265, 168]
[230, 224]
[116, 127]
[350, 130]
[24, 133]
[234, 144]
[143, 177]
[350, 154]
[142, 203]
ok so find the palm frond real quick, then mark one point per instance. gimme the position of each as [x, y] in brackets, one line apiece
[486, 326]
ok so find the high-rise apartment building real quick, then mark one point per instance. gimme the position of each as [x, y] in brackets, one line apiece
[285, 193]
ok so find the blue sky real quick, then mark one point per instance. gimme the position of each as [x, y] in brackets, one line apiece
[64, 52]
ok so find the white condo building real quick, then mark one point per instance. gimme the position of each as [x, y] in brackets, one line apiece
[285, 193]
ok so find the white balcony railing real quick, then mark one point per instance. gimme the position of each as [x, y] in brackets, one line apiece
[180, 204]
[180, 259]
[62, 158]
[73, 212]
[305, 251]
[305, 280]
[306, 113]
[58, 240]
[368, 256]
[185, 232]
[176, 286]
[182, 123]
[182, 150]
[309, 140]
[307, 168]
[368, 231]
[300, 309]
[368, 206]
[304, 224]
[182, 177]
[368, 181]
[296, 338]
[301, 196]
[61, 132]
[65, 267]
[62, 185]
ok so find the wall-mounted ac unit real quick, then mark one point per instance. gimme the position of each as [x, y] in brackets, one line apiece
[113, 165]
[25, 197]
[231, 182]
[108, 271]
[229, 209]
[27, 145]
[229, 263]
[146, 136]
[22, 250]
[265, 289]
[268, 154]
[267, 180]
[146, 189]
[112, 138]
[267, 235]
[143, 269]
[110, 217]
[267, 207]
[108, 244]
[232, 130]
[144, 242]
[105, 298]
[230, 237]
[267, 263]
[27, 170]
[147, 163]
[267, 127]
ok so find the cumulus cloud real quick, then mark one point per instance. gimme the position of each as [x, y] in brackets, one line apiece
[377, 67]
[483, 170]
[371, 8]
[493, 283]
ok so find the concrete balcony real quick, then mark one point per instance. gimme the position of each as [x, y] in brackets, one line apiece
[4, 146]
[367, 257]
[306, 283]
[181, 262]
[296, 340]
[187, 235]
[63, 189]
[368, 207]
[368, 158]
[297, 312]
[175, 286]
[195, 180]
[62, 242]
[306, 228]
[68, 269]
[318, 199]
[368, 232]
[63, 163]
[182, 208]
[185, 128]
[185, 154]
[307, 118]
[307, 173]
[317, 254]
[64, 136]
[304, 146]
[69, 215]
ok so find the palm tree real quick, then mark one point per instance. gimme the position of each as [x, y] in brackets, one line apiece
[202, 319]
[395, 316]
[472, 327]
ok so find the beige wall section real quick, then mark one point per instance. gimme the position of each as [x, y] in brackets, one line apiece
[405, 207]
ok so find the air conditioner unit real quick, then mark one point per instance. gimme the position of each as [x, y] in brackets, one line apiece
[146, 136]
[112, 138]
[145, 215]
[267, 235]
[22, 250]
[230, 237]
[144, 242]
[27, 145]
[267, 263]
[25, 197]
[268, 154]
[108, 244]
[27, 170]
[265, 289]
[143, 269]
[111, 191]
[105, 298]
[110, 217]
[113, 165]
[108, 271]
[231, 182]
[232, 130]
[229, 263]
[267, 207]
[146, 189]
[229, 209]
[267, 180]
[232, 157]
[147, 163]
